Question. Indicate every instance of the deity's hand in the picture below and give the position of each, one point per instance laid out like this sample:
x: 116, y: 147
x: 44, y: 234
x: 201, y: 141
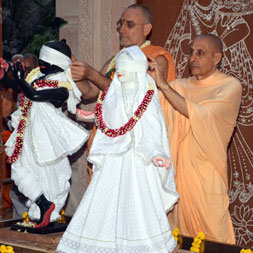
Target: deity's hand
x: 156, y: 72
x: 4, y: 67
x: 82, y: 115
x: 6, y: 76
x: 80, y: 71
x: 73, y: 58
x: 18, y: 70
x: 57, y: 96
x: 162, y: 161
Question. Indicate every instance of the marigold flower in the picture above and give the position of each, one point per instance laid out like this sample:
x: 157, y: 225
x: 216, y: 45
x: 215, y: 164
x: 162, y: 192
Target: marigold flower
x: 201, y: 235
x: 193, y: 249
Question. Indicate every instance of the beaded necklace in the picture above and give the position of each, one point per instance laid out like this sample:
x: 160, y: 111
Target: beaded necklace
x: 132, y: 121
x: 25, y: 104
x: 138, y: 113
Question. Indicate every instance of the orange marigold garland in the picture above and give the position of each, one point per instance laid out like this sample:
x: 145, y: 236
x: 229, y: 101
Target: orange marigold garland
x: 25, y: 104
x: 132, y: 121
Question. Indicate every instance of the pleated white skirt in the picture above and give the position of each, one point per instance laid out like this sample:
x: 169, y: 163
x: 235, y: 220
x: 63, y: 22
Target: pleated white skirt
x: 121, y: 211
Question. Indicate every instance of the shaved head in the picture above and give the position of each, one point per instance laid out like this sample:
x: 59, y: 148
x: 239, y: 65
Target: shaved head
x: 214, y: 40
x: 145, y: 11
x: 17, y: 57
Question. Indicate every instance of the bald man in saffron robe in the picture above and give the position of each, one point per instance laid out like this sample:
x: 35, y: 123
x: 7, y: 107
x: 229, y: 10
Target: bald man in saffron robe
x: 203, y: 111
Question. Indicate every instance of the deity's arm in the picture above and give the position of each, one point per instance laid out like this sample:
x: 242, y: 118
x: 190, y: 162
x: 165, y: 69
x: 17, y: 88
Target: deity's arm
x: 10, y: 83
x: 56, y: 96
x: 6, y: 76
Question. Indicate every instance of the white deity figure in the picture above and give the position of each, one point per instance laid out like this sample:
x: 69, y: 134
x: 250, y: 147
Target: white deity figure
x: 125, y: 206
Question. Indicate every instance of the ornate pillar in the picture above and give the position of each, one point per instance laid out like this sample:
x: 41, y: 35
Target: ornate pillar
x: 69, y: 11
x: 91, y: 29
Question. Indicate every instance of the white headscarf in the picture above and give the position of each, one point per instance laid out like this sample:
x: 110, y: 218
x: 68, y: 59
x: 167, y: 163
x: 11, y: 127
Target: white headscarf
x: 59, y: 59
x: 55, y: 57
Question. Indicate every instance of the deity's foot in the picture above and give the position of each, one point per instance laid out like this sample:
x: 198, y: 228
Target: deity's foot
x: 46, y: 208
x: 45, y: 219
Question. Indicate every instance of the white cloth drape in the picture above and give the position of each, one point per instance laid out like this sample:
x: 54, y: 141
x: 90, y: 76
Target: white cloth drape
x: 124, y: 207
x: 43, y: 165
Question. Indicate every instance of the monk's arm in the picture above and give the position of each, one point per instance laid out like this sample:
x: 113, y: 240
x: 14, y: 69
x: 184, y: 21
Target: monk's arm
x: 89, y: 80
x: 157, y: 71
x: 175, y: 99
x: 163, y: 62
x: 87, y: 89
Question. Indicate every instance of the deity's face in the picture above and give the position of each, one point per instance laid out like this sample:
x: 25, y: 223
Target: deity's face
x: 125, y: 77
x: 203, y: 58
x: 122, y: 73
x: 47, y: 68
x: 133, y: 28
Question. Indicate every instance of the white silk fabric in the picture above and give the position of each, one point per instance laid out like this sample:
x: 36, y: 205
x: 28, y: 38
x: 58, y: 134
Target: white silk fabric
x: 124, y: 207
x: 54, y: 57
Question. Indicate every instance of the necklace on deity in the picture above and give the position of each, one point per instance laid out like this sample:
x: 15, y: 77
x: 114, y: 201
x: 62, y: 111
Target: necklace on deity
x: 24, y: 105
x: 131, y: 122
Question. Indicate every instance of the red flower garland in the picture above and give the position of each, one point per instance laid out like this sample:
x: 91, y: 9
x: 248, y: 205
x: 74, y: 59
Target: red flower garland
x: 132, y: 121
x: 25, y: 105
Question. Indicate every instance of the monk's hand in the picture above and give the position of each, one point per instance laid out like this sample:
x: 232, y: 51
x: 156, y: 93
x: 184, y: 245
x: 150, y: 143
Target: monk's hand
x: 156, y: 72
x: 73, y: 58
x: 162, y: 161
x: 79, y: 70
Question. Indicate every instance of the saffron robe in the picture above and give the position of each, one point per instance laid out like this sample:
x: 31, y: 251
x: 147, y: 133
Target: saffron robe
x: 199, y: 152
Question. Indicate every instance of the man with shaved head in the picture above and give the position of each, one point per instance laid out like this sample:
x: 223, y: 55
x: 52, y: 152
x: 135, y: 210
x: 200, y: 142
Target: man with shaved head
x: 203, y: 111
x: 133, y: 27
